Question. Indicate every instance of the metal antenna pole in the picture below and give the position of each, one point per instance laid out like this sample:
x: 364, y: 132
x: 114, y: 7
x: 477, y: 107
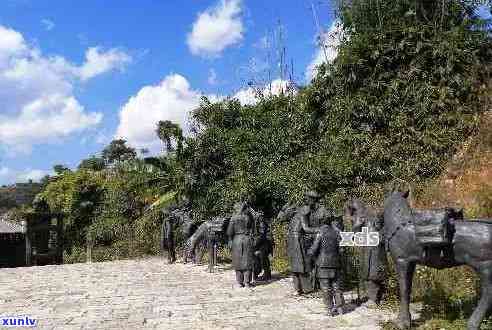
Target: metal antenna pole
x: 320, y: 31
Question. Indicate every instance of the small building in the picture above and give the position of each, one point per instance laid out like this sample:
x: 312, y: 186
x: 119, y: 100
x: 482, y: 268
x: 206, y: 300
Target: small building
x: 12, y: 244
x: 35, y: 241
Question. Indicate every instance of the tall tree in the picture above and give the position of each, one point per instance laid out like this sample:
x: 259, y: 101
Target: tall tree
x: 117, y: 151
x: 169, y: 132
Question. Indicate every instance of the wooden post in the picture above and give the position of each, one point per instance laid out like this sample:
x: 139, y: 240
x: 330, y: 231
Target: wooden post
x: 60, y: 238
x: 27, y: 237
x: 89, y: 248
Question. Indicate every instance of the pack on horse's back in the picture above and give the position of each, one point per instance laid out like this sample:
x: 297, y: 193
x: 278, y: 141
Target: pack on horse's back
x: 435, y: 227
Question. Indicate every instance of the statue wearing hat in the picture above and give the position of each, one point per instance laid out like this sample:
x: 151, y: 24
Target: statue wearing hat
x: 321, y: 216
x: 325, y: 250
x: 241, y: 235
x: 298, y: 241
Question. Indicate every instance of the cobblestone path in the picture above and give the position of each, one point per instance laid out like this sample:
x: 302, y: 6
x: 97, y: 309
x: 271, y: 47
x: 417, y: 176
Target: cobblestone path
x: 150, y: 294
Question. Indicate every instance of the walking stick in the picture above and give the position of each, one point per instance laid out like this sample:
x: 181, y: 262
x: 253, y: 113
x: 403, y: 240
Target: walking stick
x: 215, y: 253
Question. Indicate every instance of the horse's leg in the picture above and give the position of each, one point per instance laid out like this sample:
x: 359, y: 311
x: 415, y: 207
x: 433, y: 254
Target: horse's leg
x: 200, y: 252
x: 485, y: 298
x: 405, y: 271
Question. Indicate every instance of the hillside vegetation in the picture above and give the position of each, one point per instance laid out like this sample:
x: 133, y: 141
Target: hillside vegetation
x: 467, y: 182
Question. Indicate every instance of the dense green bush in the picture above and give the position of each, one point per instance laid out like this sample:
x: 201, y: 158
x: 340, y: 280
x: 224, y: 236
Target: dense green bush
x: 280, y: 262
x: 105, y: 208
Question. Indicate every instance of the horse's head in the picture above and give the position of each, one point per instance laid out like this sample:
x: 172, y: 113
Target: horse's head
x: 240, y: 207
x: 396, y: 196
x: 396, y: 207
x: 286, y: 213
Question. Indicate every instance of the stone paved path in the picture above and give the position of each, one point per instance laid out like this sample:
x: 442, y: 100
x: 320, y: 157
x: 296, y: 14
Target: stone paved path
x: 149, y: 294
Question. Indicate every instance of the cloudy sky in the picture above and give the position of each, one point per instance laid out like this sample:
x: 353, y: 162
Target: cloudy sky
x: 76, y: 74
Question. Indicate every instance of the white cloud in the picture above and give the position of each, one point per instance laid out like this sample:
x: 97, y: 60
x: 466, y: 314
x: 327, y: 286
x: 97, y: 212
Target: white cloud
x: 36, y: 92
x: 216, y: 29
x: 172, y: 99
x: 4, y: 171
x: 327, y: 50
x: 11, y: 43
x: 10, y: 176
x: 48, y: 24
x: 212, y: 77
x: 46, y: 119
x: 251, y: 96
x: 97, y: 62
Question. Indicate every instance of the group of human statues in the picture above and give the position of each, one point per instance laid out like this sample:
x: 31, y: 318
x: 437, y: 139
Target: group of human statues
x: 247, y: 232
x: 439, y: 238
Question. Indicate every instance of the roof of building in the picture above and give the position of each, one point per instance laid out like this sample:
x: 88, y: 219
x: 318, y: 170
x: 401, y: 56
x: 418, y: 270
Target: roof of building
x: 9, y: 227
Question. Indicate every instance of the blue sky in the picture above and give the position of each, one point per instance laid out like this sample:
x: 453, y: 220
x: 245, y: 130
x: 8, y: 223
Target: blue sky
x: 78, y: 73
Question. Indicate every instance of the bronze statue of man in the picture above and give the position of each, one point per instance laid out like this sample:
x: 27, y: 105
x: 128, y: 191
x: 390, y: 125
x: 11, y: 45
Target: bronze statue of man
x: 373, y: 261
x: 263, y: 248
x: 322, y: 215
x: 240, y: 232
x: 325, y: 250
x: 298, y: 241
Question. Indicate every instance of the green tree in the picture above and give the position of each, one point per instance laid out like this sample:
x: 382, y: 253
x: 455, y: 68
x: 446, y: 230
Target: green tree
x: 404, y: 93
x: 407, y: 86
x: 6, y: 201
x: 60, y: 169
x: 93, y: 163
x: 169, y: 132
x: 117, y: 151
x: 76, y: 194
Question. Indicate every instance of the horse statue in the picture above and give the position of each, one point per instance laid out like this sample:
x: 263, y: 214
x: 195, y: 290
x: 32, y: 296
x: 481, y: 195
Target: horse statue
x: 212, y: 233
x: 207, y: 235
x: 188, y: 229
x: 470, y: 243
x: 194, y: 242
